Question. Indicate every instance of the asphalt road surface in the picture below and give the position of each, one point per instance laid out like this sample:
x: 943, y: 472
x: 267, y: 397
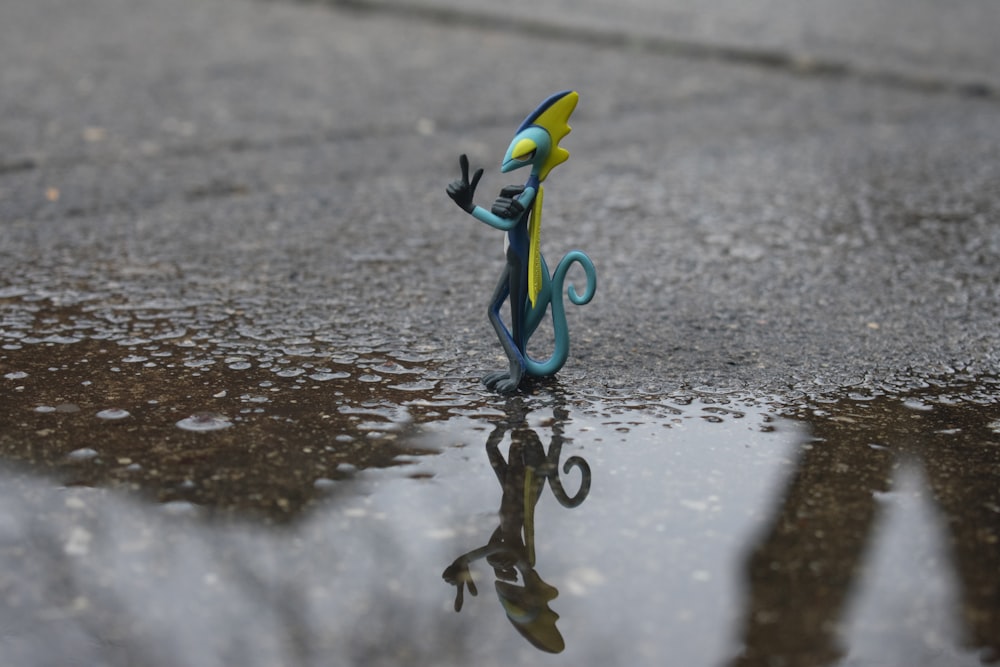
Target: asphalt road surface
x: 756, y: 222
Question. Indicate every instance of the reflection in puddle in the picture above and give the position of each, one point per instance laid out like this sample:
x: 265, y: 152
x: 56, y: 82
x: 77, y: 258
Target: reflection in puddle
x: 510, y: 550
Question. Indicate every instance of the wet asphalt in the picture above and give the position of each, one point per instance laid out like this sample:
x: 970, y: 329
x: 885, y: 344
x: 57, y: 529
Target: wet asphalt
x: 231, y: 282
x: 768, y: 223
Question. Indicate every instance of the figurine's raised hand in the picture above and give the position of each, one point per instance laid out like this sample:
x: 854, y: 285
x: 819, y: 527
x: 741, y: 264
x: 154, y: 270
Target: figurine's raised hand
x: 459, y: 575
x: 463, y: 191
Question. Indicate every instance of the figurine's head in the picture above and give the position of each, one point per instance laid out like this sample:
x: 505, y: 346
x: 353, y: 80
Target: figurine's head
x: 529, y: 612
x: 537, y: 140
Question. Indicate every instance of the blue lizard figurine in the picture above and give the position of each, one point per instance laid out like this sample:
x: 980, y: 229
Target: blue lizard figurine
x: 518, y: 211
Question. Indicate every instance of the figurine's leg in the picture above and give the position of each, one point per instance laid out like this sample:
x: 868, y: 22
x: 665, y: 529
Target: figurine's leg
x: 500, y: 294
x: 509, y: 283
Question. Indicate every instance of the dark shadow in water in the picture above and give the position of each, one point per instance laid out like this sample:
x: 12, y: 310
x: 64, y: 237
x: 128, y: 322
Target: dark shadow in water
x: 510, y: 550
x: 801, y: 572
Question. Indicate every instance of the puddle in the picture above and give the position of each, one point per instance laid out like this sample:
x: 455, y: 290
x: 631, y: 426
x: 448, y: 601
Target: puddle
x: 294, y: 501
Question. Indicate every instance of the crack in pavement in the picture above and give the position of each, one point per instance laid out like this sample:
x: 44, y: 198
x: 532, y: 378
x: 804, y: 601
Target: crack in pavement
x: 801, y: 64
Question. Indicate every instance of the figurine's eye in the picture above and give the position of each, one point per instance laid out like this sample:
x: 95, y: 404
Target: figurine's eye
x: 523, y: 151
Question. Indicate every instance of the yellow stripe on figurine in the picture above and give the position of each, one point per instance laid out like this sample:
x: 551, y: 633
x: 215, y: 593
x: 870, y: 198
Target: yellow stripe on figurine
x: 535, y: 248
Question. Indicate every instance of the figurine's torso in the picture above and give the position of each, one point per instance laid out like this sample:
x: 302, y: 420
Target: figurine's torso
x: 518, y: 239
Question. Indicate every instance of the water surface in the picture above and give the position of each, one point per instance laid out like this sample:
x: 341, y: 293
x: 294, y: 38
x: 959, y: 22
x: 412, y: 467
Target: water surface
x: 256, y: 515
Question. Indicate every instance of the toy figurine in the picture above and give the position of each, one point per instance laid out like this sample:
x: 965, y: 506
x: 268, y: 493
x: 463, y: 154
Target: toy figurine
x: 518, y: 211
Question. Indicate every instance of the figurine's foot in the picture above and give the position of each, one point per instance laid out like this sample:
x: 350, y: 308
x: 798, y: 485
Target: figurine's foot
x: 499, y: 381
x: 503, y: 382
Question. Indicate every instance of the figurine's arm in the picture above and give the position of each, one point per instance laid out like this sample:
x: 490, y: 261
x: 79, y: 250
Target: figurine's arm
x: 506, y: 211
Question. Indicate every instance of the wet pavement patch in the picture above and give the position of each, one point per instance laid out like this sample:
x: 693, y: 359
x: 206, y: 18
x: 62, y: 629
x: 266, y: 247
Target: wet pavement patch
x: 223, y: 432
x: 290, y: 503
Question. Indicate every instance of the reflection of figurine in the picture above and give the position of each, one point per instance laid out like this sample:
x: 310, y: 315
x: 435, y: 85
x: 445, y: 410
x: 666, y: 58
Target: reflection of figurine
x: 800, y: 574
x: 518, y: 211
x: 511, y: 548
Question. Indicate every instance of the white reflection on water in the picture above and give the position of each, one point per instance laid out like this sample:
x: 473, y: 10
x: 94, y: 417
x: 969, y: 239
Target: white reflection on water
x: 649, y: 569
x: 923, y: 605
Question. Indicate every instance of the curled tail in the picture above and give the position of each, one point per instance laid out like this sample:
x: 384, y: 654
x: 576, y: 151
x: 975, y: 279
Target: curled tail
x: 557, y: 488
x: 554, y: 292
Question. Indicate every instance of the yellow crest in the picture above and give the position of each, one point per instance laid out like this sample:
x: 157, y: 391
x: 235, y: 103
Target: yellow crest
x: 555, y: 121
